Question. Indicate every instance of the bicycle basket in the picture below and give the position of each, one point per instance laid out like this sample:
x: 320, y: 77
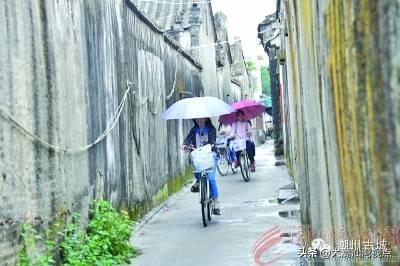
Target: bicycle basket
x: 221, y: 142
x: 239, y: 144
x: 203, y: 158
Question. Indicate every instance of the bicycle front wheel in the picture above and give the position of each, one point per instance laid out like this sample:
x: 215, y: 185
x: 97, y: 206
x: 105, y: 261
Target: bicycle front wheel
x: 204, y: 200
x: 222, y: 163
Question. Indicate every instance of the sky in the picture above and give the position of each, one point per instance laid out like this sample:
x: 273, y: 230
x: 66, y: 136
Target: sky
x: 243, y: 17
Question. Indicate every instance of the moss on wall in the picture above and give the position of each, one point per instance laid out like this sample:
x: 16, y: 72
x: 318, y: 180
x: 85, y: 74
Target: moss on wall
x: 357, y: 89
x: 141, y: 208
x: 344, y: 103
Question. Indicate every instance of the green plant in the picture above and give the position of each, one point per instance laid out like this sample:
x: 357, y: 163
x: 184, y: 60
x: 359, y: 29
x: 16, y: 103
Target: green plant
x: 35, y: 250
x: 265, y: 81
x: 250, y: 65
x: 282, y: 57
x: 105, y: 241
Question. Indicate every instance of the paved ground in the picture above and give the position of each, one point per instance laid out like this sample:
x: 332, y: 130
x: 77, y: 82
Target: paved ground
x: 176, y: 236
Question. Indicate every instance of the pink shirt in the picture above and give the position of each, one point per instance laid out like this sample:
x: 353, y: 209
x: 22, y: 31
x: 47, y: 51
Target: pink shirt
x: 241, y: 129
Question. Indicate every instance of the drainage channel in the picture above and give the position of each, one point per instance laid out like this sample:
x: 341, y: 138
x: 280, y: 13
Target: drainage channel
x: 252, y: 203
x: 290, y: 214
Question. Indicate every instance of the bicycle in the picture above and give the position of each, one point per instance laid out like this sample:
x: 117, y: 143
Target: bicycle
x: 269, y: 133
x: 203, y: 162
x: 239, y: 145
x: 224, y: 157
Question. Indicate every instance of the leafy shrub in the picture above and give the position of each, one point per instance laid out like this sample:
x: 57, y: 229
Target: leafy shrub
x: 105, y: 242
x: 35, y: 250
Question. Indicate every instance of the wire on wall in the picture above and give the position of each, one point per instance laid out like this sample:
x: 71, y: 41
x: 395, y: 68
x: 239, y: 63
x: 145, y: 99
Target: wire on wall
x: 111, y: 124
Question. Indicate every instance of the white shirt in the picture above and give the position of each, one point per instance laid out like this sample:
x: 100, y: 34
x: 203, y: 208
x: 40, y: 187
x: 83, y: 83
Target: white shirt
x: 241, y: 129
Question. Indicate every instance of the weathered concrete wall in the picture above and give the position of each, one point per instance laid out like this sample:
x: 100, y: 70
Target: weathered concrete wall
x: 192, y: 25
x: 342, y: 112
x: 224, y: 58
x: 64, y: 68
x: 268, y: 33
x: 239, y: 70
x: 207, y: 55
x: 236, y: 92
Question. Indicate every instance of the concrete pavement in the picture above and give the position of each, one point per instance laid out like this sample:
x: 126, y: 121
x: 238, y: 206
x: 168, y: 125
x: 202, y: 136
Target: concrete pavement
x: 176, y: 236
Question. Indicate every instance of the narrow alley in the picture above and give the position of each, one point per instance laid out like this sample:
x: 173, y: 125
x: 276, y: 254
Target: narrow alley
x: 175, y: 235
x: 102, y: 101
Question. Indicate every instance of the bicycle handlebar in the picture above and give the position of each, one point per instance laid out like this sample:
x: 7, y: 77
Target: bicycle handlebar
x: 192, y: 148
x: 186, y: 147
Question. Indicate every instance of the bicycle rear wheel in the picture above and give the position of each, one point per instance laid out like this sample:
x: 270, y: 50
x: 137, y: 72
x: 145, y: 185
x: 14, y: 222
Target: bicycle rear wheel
x: 222, y: 163
x: 204, y: 200
x: 248, y: 172
x: 244, y: 166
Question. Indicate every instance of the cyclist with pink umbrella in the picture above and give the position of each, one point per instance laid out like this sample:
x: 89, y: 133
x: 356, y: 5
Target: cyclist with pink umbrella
x: 241, y: 127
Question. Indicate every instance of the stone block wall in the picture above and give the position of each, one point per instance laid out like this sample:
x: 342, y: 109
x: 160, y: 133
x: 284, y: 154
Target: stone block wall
x: 65, y: 66
x: 342, y: 113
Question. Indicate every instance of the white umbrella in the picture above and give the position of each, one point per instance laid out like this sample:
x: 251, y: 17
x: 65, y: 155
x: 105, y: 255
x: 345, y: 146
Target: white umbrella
x: 197, y: 107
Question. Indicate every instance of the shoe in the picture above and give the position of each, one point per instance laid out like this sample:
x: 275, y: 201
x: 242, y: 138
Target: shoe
x: 216, y: 210
x: 236, y: 164
x: 195, y: 187
x: 252, y: 167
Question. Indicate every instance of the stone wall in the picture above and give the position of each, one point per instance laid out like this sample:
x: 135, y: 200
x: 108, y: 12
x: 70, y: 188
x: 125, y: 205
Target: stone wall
x: 239, y: 70
x: 64, y: 68
x: 224, y: 58
x: 207, y: 54
x: 192, y: 25
x: 342, y: 112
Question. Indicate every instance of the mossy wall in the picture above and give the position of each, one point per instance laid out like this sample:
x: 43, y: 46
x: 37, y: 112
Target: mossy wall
x: 342, y: 106
x: 139, y: 209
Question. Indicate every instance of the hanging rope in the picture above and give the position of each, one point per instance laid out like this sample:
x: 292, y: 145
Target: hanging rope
x: 142, y: 102
x: 175, y: 76
x: 113, y: 122
x: 155, y: 112
x: 159, y: 99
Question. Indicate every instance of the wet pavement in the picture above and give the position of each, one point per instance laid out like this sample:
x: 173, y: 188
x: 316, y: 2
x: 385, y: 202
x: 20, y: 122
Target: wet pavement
x: 253, y: 227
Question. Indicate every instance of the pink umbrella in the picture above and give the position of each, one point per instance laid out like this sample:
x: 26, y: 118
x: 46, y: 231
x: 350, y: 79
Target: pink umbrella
x: 251, y: 109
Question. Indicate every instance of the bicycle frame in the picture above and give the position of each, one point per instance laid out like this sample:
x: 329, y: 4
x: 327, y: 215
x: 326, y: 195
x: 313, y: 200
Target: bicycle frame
x: 244, y: 163
x: 204, y: 177
x: 229, y: 156
x: 205, y: 199
x: 225, y: 154
x: 206, y: 203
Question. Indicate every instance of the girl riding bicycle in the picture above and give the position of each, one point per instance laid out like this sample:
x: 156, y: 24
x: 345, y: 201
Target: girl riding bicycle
x: 203, y: 132
x: 242, y: 129
x: 225, y: 130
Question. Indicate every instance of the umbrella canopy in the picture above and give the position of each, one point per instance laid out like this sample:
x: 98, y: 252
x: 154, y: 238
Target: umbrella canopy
x: 251, y: 109
x: 266, y: 101
x: 197, y: 107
